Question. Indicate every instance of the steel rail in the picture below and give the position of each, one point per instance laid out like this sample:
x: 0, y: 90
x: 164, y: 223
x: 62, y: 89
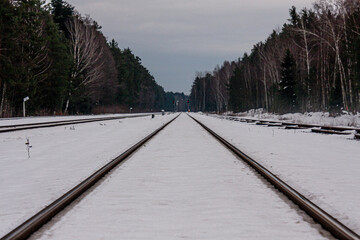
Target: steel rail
x: 31, y: 225
x: 18, y: 127
x: 335, y: 227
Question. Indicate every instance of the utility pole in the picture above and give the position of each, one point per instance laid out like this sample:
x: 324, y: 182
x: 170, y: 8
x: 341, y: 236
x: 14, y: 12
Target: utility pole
x: 24, y: 100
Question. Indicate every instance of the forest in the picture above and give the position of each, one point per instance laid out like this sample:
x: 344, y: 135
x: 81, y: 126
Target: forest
x: 62, y: 61
x: 311, y: 64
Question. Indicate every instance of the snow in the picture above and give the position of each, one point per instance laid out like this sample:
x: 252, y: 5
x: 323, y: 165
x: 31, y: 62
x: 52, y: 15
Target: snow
x: 325, y: 168
x: 316, y: 118
x: 60, y: 159
x: 182, y: 184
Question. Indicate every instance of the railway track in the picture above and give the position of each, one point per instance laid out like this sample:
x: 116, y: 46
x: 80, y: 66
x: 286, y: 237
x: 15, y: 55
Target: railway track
x: 24, y: 230
x: 26, y: 126
x: 328, y: 222
x: 314, y: 128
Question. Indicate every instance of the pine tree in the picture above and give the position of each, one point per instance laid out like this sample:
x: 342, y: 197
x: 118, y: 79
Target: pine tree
x: 29, y: 58
x: 136, y: 86
x: 235, y: 99
x: 7, y: 44
x: 61, y: 12
x: 287, y: 85
x: 335, y: 102
x: 52, y: 92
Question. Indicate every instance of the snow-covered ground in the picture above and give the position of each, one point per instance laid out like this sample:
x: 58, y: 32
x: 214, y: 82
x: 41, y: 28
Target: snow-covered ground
x: 316, y: 118
x: 27, y: 120
x: 325, y: 168
x: 182, y: 184
x: 60, y: 158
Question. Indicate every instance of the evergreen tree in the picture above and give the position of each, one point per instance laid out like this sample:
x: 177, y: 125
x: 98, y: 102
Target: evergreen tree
x: 136, y: 86
x: 335, y: 102
x: 7, y: 44
x: 287, y: 85
x: 235, y: 99
x: 61, y: 12
x: 52, y: 92
x: 29, y: 55
x: 353, y: 45
x: 238, y: 92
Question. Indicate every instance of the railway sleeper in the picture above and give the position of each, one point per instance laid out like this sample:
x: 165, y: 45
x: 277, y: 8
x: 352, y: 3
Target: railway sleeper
x: 325, y: 131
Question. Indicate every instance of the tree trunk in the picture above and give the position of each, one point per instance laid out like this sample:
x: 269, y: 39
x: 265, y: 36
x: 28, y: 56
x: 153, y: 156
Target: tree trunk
x: 2, y: 100
x: 342, y: 80
x: 204, y: 95
x: 308, y: 100
x: 67, y: 103
x: 266, y: 93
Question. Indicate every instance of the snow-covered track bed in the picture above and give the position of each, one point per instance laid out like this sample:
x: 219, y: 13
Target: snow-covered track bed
x: 183, y: 184
x: 59, y: 159
x: 329, y: 222
x: 27, y: 126
x: 324, y: 168
x: 24, y: 230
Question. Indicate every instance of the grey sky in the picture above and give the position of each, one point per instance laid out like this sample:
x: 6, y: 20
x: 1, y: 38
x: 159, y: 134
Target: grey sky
x: 176, y: 38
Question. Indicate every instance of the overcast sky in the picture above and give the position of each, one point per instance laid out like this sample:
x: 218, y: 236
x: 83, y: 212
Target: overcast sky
x: 176, y: 38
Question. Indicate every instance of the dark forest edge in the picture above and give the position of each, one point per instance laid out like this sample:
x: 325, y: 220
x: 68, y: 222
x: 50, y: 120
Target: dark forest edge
x: 64, y: 64
x: 311, y: 64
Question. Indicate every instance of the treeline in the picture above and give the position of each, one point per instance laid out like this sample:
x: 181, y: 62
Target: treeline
x: 177, y: 102
x: 63, y: 62
x: 311, y: 64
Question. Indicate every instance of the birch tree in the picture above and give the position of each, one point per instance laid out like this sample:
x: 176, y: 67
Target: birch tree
x: 86, y: 52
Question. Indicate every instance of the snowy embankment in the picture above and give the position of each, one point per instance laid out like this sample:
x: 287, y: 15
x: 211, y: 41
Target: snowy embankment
x: 182, y: 184
x: 325, y: 168
x: 316, y: 118
x: 60, y: 158
x: 40, y: 119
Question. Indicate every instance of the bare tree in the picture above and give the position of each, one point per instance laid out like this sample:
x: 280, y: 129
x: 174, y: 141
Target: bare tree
x: 87, y: 53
